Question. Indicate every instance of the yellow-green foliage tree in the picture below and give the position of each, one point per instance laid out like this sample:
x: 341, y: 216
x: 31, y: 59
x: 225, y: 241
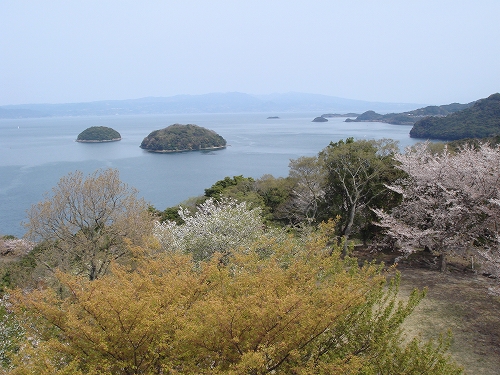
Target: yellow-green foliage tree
x: 280, y: 307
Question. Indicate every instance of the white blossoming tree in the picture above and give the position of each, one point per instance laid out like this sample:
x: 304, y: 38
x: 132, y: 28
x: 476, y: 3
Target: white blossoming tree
x: 217, y: 226
x: 449, y: 202
x: 11, y: 333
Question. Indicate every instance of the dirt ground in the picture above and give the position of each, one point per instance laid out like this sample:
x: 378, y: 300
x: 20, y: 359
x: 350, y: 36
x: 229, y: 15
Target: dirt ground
x: 465, y: 304
x: 460, y: 300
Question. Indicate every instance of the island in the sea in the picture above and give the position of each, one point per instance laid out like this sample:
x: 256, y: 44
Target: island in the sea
x: 98, y: 134
x: 180, y: 138
x: 320, y: 119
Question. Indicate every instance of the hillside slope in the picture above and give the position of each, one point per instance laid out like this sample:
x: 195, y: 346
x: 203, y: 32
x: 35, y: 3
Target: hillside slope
x: 480, y: 120
x: 410, y: 117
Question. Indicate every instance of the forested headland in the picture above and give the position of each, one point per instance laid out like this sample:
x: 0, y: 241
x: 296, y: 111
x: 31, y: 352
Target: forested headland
x: 409, y: 117
x: 480, y: 120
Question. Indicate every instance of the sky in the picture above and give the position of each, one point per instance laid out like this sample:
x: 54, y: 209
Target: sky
x: 405, y: 51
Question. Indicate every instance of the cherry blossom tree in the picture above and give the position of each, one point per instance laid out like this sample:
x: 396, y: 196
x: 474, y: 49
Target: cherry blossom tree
x: 450, y: 201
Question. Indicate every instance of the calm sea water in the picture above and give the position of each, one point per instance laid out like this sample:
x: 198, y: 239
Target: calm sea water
x: 36, y: 153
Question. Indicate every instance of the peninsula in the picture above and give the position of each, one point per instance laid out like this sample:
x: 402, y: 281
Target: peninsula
x: 410, y: 117
x: 481, y: 120
x: 180, y: 138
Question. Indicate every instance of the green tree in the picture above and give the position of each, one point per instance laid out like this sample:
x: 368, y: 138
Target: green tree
x: 239, y: 188
x: 21, y: 273
x: 88, y: 222
x: 242, y: 189
x: 220, y: 186
x: 357, y: 172
x: 274, y: 192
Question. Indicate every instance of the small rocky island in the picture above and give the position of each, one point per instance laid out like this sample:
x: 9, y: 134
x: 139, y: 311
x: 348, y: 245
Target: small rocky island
x: 179, y: 138
x: 320, y: 119
x: 98, y: 134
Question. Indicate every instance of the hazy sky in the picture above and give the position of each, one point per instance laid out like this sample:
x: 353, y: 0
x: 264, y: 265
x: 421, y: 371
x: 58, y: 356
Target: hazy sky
x: 417, y: 51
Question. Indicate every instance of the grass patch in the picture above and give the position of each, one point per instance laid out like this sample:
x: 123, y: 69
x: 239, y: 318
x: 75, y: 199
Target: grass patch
x: 464, y: 304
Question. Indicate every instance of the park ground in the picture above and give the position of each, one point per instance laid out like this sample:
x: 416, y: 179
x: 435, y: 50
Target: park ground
x: 461, y: 300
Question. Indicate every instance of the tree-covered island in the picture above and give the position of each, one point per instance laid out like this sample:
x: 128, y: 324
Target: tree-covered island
x: 99, y: 134
x: 178, y: 138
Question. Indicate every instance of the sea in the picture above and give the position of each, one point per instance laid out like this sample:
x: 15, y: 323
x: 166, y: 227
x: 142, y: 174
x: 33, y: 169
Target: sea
x: 35, y: 153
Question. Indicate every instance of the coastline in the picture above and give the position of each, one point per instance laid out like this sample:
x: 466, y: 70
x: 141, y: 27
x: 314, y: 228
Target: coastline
x: 95, y: 141
x: 188, y: 149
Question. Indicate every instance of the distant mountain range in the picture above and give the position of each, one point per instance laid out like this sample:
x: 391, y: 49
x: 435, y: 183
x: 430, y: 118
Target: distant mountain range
x: 232, y: 102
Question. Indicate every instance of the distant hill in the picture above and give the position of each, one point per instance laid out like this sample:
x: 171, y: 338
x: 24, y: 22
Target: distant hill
x: 410, y: 117
x: 231, y: 102
x: 480, y: 120
x: 294, y: 101
x: 20, y: 113
x: 177, y: 138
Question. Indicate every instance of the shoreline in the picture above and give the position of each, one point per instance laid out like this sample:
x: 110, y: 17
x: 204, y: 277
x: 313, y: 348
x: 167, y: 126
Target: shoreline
x: 189, y: 149
x: 96, y: 141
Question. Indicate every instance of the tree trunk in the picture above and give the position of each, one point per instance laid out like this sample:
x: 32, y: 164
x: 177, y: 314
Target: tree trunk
x: 348, y: 228
x: 442, y: 263
x: 345, y: 247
